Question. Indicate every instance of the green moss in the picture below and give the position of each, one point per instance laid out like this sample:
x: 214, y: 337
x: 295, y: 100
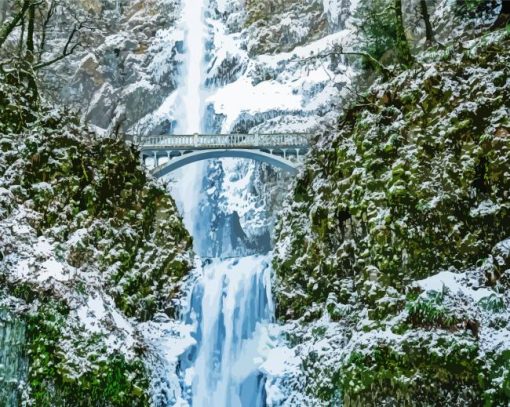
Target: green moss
x: 422, y: 372
x: 124, y: 226
x: 56, y: 381
x: 496, y: 379
x: 402, y: 182
x: 429, y: 311
x: 414, y: 181
x: 102, y: 187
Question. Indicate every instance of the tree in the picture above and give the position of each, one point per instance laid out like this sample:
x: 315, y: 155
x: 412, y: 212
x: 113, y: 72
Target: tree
x: 35, y: 19
x: 381, y: 24
x: 33, y: 26
x: 429, y: 32
x: 8, y: 26
x: 504, y: 15
x: 403, y: 48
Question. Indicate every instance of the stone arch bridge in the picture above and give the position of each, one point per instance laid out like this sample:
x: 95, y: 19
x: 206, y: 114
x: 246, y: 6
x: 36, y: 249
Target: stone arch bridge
x: 171, y: 152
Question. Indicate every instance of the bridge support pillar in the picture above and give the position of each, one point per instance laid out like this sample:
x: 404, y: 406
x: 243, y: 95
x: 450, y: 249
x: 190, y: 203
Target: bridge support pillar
x: 155, y: 159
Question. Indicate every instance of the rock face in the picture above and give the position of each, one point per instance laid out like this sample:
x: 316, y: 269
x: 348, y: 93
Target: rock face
x: 129, y: 66
x: 90, y: 249
x: 392, y: 253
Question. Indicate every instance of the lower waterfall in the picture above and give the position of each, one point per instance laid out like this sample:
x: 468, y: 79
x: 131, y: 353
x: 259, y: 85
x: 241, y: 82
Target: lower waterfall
x: 230, y: 306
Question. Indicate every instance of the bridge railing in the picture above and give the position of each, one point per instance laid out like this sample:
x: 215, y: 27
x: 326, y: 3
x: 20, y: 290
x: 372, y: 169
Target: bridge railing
x: 225, y: 140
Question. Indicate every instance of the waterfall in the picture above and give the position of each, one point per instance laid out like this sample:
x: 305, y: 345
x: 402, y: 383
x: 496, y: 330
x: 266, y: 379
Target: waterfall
x: 13, y: 364
x: 230, y: 305
x: 186, y: 189
x: 191, y: 95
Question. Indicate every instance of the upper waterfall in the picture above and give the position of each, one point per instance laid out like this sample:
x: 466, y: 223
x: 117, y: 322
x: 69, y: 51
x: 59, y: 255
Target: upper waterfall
x: 186, y: 189
x: 191, y: 100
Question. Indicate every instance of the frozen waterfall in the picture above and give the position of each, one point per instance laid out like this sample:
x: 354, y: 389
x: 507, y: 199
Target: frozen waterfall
x: 186, y: 189
x: 230, y: 306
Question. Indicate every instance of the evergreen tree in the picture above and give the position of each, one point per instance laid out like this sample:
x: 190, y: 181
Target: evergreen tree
x: 382, y: 27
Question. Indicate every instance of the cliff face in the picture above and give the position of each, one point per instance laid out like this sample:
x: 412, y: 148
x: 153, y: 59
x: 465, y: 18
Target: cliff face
x: 90, y: 249
x: 391, y: 264
x: 127, y: 67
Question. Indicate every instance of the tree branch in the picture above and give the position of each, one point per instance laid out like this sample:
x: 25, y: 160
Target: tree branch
x: 338, y: 50
x: 7, y: 28
x: 67, y: 50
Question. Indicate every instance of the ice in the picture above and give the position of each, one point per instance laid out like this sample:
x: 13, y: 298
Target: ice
x: 232, y: 307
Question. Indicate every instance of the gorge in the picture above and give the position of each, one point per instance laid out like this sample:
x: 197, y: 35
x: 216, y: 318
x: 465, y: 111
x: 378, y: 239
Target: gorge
x: 372, y: 271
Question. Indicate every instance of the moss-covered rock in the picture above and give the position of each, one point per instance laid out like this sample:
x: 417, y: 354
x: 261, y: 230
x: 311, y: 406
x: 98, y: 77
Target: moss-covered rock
x: 91, y: 247
x: 415, y: 180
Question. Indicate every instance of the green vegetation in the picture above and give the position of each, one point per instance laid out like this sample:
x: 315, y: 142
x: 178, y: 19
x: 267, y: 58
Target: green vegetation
x: 420, y: 371
x: 56, y: 380
x: 430, y: 311
x: 414, y: 181
x: 116, y: 229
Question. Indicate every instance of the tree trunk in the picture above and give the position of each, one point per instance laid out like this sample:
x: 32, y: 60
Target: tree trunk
x: 429, y: 32
x: 404, y: 52
x: 504, y: 15
x: 44, y: 30
x: 7, y: 27
x: 30, y: 35
x: 3, y: 10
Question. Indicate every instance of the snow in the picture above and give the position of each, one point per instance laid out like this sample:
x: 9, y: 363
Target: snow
x: 453, y: 282
x: 485, y: 208
x: 280, y: 361
x: 242, y: 97
x: 167, y: 109
x: 77, y: 237
x: 43, y: 247
x: 91, y: 313
x: 53, y: 269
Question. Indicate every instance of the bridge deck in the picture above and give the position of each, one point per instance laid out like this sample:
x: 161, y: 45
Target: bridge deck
x: 224, y: 141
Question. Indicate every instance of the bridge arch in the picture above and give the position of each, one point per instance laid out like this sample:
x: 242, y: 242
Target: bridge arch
x: 201, y: 155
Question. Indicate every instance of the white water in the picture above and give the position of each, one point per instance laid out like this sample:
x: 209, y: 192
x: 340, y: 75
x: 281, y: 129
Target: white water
x: 186, y: 189
x: 191, y: 97
x: 230, y: 306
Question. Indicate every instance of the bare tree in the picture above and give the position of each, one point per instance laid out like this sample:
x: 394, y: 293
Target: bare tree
x: 338, y: 50
x: 46, y: 19
x: 8, y: 26
x: 29, y: 56
x: 72, y: 43
x: 429, y: 32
